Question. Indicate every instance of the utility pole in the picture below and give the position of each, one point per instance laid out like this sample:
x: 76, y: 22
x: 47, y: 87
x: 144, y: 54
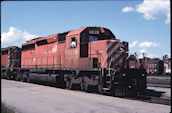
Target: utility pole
x: 136, y: 60
x: 143, y: 61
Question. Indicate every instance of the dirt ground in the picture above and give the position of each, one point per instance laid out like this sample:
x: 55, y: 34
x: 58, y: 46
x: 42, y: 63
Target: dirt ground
x: 33, y: 98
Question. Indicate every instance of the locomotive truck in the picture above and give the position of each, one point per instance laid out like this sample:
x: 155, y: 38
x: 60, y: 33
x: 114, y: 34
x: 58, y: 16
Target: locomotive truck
x: 89, y: 58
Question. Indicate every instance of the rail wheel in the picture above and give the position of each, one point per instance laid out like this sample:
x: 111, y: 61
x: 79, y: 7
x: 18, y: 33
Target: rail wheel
x: 69, y: 85
x: 4, y: 74
x: 120, y: 91
x: 18, y: 76
x: 28, y: 79
x: 99, y: 88
x: 9, y: 75
x: 60, y: 83
x: 82, y: 87
x: 24, y: 77
x: 86, y: 87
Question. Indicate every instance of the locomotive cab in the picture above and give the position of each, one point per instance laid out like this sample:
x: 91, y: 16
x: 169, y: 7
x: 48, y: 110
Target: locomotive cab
x: 101, y: 47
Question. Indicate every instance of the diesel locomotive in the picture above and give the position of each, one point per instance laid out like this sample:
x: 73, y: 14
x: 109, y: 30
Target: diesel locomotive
x: 89, y: 58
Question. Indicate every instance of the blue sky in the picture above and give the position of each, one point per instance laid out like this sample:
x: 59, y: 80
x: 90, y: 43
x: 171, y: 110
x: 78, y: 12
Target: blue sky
x: 145, y: 27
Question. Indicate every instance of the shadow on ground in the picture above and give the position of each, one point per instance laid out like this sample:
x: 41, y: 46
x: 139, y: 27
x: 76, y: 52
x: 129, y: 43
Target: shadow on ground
x: 154, y: 93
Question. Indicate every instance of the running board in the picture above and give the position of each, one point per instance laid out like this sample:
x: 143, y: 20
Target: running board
x: 106, y: 89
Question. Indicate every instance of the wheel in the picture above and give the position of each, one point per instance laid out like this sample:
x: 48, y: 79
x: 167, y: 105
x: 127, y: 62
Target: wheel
x: 4, y: 75
x: 24, y: 77
x: 18, y: 76
x: 120, y: 91
x: 28, y: 79
x: 8, y: 75
x: 99, y: 88
x: 69, y: 85
x: 60, y: 82
x: 86, y: 87
x: 82, y: 87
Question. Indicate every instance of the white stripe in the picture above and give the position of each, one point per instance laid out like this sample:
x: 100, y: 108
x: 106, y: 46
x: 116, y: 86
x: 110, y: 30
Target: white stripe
x: 120, y: 61
x: 123, y: 58
x: 113, y: 58
x: 113, y: 50
x: 116, y: 57
x: 109, y: 45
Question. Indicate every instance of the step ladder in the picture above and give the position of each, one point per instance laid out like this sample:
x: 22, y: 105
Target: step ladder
x: 108, y: 80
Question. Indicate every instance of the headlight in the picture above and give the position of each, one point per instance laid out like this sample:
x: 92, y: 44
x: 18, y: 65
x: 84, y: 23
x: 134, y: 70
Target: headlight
x: 143, y: 75
x: 123, y: 75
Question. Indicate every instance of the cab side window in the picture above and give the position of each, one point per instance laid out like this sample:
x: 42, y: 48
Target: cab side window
x: 73, y: 42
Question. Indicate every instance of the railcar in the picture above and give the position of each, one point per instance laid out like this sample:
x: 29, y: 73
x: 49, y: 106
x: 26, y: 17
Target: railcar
x: 10, y: 61
x: 153, y: 67
x: 167, y: 67
x: 89, y: 58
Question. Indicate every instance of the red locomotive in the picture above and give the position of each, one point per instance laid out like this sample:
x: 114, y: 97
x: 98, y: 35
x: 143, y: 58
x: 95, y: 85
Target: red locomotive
x: 89, y: 58
x: 88, y: 47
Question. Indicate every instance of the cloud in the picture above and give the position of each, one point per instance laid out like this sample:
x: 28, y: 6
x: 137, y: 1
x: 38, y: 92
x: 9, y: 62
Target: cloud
x: 127, y: 9
x: 151, y: 55
x: 152, y: 8
x: 148, y: 44
x: 143, y: 48
x: 15, y: 37
x: 134, y: 44
x: 147, y: 54
x: 142, y: 51
x: 145, y: 44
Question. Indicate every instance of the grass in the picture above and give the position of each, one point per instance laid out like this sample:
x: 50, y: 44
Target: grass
x: 5, y: 109
x: 166, y: 80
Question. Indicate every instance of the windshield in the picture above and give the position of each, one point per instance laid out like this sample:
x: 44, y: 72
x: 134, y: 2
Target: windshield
x: 96, y: 36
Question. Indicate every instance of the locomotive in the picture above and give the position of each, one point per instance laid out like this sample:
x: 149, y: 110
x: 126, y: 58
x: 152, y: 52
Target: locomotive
x: 89, y: 58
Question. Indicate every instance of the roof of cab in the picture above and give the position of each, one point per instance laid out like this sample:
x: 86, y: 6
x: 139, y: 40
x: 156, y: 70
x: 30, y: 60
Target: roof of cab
x: 71, y: 32
x: 77, y: 31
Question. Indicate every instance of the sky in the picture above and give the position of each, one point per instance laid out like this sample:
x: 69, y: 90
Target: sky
x: 145, y: 24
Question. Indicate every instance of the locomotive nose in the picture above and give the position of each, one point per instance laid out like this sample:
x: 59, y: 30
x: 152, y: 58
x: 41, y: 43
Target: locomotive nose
x: 116, y: 53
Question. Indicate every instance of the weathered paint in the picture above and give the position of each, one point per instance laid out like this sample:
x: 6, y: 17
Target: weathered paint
x: 62, y: 55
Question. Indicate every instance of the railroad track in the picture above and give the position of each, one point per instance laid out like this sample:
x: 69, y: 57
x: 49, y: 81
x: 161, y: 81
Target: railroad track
x: 159, y: 85
x: 151, y: 99
x: 144, y: 98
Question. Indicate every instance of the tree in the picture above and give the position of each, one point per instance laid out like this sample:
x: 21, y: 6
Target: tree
x: 155, y: 59
x: 165, y: 57
x: 147, y: 58
x: 132, y: 57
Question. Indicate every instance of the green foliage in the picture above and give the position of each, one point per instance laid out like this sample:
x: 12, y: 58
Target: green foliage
x: 132, y: 57
x: 155, y: 59
x: 165, y: 57
x: 147, y: 58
